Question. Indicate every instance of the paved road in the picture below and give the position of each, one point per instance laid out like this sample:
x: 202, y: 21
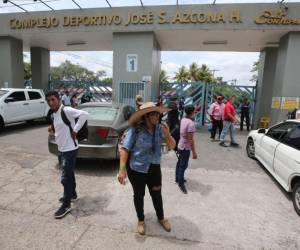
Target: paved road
x: 232, y: 202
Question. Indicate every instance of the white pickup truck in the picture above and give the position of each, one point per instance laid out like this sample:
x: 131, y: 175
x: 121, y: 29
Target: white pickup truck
x: 18, y: 105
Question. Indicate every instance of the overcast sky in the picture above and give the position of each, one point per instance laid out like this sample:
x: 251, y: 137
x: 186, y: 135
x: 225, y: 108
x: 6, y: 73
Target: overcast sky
x: 229, y: 65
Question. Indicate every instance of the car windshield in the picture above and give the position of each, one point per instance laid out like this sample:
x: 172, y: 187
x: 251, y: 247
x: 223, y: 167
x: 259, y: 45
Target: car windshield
x: 101, y: 113
x: 3, y: 92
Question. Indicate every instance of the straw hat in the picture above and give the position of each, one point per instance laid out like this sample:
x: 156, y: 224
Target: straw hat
x: 146, y: 108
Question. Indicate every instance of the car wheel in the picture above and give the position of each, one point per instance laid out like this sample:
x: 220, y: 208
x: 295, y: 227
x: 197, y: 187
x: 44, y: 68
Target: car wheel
x: 250, y: 148
x: 1, y: 124
x: 296, y: 197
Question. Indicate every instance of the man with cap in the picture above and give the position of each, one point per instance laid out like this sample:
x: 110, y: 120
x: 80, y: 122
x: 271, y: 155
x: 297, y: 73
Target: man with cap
x: 173, y: 119
x: 216, y: 113
x: 138, y: 102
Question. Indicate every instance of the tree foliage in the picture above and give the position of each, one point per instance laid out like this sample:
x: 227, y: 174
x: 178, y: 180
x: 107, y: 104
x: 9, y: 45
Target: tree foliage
x: 254, y: 70
x: 75, y: 72
x: 163, y: 78
x: 27, y: 71
x: 182, y: 75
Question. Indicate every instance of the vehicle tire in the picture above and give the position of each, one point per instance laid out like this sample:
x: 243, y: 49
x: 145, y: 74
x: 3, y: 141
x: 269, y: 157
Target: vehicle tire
x: 250, y: 148
x: 1, y: 124
x: 296, y: 197
x: 48, y: 117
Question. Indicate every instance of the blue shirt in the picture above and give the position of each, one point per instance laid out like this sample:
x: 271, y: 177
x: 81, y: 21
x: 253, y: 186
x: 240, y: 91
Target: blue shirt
x: 144, y: 148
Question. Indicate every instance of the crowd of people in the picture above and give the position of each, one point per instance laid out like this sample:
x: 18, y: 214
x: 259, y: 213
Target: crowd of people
x: 141, y: 146
x: 74, y: 100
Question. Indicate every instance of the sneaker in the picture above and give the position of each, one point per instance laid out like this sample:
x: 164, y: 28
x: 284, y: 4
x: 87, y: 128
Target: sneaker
x: 234, y: 144
x: 62, y: 212
x: 74, y: 198
x: 141, y: 227
x: 165, y: 224
x: 183, y: 189
x: 222, y: 144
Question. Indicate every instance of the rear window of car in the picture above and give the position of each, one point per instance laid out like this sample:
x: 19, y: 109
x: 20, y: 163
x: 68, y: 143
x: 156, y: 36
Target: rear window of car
x: 3, y: 92
x: 34, y: 95
x: 101, y: 113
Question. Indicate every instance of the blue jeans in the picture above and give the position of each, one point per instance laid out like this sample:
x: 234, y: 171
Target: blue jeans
x: 68, y: 162
x: 228, y: 127
x: 182, y: 164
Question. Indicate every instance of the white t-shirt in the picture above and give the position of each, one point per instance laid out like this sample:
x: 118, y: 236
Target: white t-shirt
x: 298, y: 114
x: 66, y: 100
x: 63, y: 137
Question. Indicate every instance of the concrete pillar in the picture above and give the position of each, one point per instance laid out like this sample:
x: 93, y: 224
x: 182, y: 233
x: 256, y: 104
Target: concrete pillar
x: 40, y: 67
x: 11, y: 63
x: 147, y: 50
x: 265, y: 84
x: 287, y: 76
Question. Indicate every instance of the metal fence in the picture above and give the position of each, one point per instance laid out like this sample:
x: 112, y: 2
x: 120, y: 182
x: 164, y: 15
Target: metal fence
x: 202, y: 95
x: 129, y: 90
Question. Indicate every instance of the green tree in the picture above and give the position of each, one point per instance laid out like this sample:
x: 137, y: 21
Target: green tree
x: 107, y: 81
x: 193, y: 72
x: 27, y: 71
x: 254, y: 70
x: 75, y: 72
x: 204, y: 74
x: 163, y: 78
x: 182, y: 75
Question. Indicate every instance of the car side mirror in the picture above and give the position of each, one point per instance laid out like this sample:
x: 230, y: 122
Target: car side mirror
x: 261, y: 131
x: 9, y: 99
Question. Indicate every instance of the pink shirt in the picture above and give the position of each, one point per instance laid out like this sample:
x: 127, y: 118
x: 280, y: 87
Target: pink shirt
x: 186, y: 126
x: 216, y: 110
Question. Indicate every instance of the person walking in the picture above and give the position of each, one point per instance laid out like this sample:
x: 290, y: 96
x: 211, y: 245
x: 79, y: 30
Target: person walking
x: 173, y: 119
x: 67, y: 146
x: 185, y: 146
x: 74, y: 101
x: 138, y: 102
x: 140, y: 156
x: 229, y: 121
x: 216, y: 113
x: 245, y: 114
x: 66, y: 100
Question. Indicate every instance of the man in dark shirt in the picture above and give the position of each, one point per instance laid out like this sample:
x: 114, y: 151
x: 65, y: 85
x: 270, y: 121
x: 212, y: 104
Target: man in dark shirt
x: 245, y: 114
x: 173, y: 119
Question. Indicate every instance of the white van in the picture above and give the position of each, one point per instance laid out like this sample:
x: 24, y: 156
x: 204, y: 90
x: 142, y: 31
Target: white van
x: 18, y: 105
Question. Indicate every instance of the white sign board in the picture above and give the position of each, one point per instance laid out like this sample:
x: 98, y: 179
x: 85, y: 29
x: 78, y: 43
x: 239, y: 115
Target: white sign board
x: 146, y: 78
x: 132, y: 62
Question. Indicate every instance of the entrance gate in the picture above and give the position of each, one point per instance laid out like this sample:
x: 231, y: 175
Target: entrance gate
x: 202, y: 95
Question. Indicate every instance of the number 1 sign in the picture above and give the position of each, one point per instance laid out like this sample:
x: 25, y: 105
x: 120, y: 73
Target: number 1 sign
x: 132, y: 62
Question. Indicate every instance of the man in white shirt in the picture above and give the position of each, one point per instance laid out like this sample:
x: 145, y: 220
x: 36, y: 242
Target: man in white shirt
x: 67, y: 146
x: 66, y: 100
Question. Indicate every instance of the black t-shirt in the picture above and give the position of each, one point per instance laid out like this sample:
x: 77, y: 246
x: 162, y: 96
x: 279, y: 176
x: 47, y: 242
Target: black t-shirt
x: 173, y: 115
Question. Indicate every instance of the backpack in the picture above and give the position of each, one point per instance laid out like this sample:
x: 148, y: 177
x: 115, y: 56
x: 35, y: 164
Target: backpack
x: 82, y: 133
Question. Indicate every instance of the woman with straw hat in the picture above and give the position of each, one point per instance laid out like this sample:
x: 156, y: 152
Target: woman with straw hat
x: 140, y: 155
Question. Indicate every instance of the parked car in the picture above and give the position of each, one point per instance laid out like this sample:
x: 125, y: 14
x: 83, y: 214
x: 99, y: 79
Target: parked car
x: 106, y: 124
x: 278, y: 149
x: 18, y: 105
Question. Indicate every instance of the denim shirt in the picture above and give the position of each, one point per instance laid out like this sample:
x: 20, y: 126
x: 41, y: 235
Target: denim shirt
x: 144, y: 148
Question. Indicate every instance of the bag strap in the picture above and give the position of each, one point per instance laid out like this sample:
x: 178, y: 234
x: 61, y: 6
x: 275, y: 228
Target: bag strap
x: 68, y: 123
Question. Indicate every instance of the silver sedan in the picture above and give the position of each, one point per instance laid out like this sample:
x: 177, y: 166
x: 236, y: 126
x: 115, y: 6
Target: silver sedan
x: 106, y: 124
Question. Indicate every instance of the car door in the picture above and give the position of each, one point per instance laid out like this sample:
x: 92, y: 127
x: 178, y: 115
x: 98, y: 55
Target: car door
x: 287, y: 156
x: 36, y: 104
x: 271, y: 141
x: 16, y: 110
